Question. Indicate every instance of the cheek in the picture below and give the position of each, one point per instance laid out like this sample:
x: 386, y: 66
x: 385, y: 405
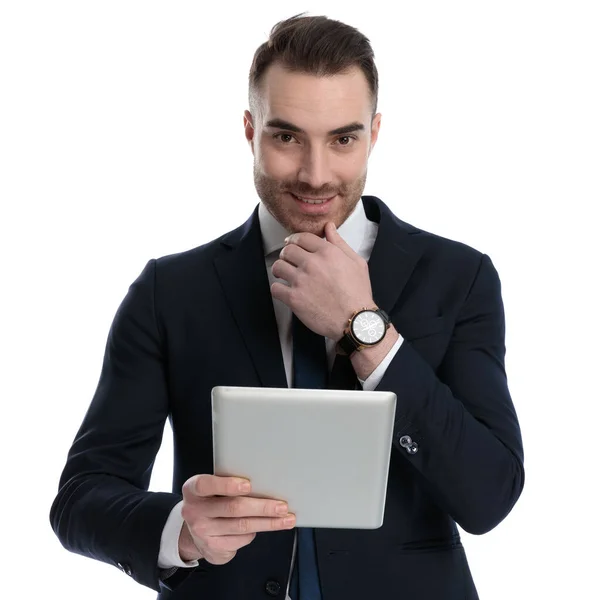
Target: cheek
x: 277, y: 164
x: 352, y: 166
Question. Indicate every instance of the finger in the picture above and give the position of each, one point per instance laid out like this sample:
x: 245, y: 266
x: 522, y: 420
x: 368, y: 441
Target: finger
x: 283, y: 293
x: 224, y: 544
x: 284, y: 270
x: 244, y: 506
x: 333, y: 237
x: 246, y: 525
x: 294, y: 254
x: 305, y: 240
x: 218, y: 558
x: 212, y: 485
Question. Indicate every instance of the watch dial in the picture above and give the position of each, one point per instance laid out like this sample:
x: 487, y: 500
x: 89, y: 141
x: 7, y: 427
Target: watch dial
x: 368, y: 327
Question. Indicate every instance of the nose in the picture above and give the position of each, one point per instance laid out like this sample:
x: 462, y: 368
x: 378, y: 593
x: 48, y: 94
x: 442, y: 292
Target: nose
x: 314, y: 170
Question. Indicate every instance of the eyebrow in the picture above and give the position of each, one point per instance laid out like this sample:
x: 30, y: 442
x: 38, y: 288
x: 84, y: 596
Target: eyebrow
x: 281, y: 124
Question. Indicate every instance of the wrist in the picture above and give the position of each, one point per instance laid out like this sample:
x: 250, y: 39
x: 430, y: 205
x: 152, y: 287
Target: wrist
x: 368, y: 359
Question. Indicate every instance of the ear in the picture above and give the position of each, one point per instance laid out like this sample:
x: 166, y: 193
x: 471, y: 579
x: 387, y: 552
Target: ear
x: 249, y: 129
x: 376, y: 124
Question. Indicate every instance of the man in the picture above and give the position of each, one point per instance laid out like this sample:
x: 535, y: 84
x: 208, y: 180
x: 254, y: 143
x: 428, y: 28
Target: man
x: 313, y: 255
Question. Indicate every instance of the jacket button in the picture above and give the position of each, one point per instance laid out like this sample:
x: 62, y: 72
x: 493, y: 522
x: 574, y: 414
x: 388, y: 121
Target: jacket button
x: 273, y: 588
x: 412, y: 448
x: 405, y: 441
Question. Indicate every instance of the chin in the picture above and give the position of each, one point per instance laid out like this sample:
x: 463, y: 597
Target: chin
x: 316, y: 227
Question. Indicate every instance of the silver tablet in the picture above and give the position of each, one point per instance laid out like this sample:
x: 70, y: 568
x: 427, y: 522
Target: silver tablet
x: 325, y: 452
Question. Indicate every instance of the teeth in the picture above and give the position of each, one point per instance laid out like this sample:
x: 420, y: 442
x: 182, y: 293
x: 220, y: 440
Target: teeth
x: 309, y: 201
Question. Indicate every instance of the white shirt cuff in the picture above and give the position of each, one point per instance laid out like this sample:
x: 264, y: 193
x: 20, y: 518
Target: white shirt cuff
x: 372, y: 381
x: 168, y: 555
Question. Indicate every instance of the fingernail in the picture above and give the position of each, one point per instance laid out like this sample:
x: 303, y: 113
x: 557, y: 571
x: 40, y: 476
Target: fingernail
x: 244, y: 487
x: 281, y: 508
x: 289, y: 521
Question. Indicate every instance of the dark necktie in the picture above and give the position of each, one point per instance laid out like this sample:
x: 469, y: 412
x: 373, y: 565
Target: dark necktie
x: 309, y: 371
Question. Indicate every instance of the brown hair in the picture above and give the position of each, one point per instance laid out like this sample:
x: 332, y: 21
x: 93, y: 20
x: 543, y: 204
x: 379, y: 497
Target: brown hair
x: 315, y: 45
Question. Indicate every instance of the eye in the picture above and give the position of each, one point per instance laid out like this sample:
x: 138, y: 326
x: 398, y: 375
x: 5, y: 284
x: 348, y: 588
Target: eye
x: 281, y: 137
x: 350, y: 139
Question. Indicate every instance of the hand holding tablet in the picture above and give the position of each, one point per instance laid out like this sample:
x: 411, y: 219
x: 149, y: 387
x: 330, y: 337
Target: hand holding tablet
x: 220, y: 518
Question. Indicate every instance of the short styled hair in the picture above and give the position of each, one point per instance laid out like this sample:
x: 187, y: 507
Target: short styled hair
x: 317, y: 46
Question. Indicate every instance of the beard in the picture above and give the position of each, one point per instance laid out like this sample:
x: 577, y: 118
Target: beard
x: 283, y: 207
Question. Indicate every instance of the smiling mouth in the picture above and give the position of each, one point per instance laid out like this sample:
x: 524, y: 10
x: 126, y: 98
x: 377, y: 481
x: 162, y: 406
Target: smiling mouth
x: 312, y: 200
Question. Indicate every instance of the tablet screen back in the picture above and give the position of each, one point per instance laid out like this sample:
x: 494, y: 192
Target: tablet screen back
x: 325, y: 452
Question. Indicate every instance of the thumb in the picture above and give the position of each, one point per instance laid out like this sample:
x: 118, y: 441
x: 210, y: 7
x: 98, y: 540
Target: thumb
x: 333, y: 237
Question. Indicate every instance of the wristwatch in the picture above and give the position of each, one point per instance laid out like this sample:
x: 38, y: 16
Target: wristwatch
x: 366, y: 328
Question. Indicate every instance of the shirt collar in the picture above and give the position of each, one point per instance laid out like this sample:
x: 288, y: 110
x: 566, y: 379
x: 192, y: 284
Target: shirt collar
x: 352, y: 230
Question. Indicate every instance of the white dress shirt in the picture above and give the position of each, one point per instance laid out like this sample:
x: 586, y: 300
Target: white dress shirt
x: 359, y: 233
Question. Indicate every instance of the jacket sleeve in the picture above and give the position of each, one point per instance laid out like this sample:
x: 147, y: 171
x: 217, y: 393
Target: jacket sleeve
x: 103, y: 508
x: 458, y: 426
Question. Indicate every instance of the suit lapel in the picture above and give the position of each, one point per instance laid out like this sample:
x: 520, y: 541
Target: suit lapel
x: 395, y: 255
x: 396, y: 252
x: 245, y: 282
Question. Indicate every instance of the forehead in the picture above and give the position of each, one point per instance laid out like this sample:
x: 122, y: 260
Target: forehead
x: 315, y: 101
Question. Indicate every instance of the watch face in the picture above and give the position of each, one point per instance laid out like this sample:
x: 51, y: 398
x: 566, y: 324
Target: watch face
x: 368, y: 327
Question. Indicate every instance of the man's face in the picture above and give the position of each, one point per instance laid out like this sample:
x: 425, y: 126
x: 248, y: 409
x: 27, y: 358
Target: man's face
x: 311, y: 139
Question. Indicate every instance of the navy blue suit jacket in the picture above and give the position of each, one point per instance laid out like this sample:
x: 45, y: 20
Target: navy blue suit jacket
x: 205, y: 317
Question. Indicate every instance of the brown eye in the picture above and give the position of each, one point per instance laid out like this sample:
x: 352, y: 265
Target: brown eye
x: 349, y: 139
x: 281, y: 137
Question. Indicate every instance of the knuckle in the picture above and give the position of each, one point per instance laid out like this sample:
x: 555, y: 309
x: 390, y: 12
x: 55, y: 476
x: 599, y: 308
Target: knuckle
x: 186, y: 511
x: 278, y: 269
x: 308, y: 267
x: 233, y: 507
x: 191, y: 512
x: 244, y: 525
x: 292, y: 299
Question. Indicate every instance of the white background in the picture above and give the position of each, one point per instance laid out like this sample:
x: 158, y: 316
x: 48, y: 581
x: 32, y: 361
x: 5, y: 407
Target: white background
x: 121, y: 140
